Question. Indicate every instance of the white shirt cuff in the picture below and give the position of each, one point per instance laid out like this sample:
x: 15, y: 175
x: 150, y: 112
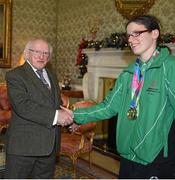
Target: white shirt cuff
x: 55, y: 118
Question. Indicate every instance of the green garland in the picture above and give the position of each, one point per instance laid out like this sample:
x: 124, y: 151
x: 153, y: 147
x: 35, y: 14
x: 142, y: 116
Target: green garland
x: 115, y: 40
x: 119, y: 41
x: 167, y: 38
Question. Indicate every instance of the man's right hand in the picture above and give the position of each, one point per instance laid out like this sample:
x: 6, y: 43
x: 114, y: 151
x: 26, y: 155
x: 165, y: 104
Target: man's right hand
x: 65, y: 117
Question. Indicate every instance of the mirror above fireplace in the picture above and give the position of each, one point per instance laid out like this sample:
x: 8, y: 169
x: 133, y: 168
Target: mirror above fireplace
x: 131, y: 8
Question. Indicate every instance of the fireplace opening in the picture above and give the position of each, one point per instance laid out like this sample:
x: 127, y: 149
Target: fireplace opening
x: 107, y: 145
x: 105, y: 139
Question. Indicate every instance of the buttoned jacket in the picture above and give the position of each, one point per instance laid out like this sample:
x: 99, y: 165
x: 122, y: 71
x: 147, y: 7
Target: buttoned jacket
x: 31, y: 131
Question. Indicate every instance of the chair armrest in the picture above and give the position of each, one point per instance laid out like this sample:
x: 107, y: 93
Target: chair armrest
x: 86, y: 127
x: 5, y: 116
x: 81, y: 145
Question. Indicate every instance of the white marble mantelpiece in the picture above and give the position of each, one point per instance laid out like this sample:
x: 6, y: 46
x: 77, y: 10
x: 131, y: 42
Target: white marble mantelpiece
x: 172, y: 47
x: 105, y: 63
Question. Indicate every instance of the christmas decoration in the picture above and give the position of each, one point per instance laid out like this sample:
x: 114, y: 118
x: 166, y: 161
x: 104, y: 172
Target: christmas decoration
x: 66, y: 83
x: 115, y: 40
x: 167, y: 38
x: 82, y: 59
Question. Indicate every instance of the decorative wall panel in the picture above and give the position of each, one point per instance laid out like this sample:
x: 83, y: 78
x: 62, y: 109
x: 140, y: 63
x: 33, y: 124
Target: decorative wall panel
x: 32, y: 19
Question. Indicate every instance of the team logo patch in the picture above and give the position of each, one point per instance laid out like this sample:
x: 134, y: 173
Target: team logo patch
x: 153, y: 87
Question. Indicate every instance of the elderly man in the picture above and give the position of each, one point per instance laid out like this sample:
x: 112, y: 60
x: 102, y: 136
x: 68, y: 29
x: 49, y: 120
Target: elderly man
x: 34, y: 134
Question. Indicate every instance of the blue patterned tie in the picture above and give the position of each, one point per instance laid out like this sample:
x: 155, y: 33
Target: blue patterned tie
x: 40, y: 73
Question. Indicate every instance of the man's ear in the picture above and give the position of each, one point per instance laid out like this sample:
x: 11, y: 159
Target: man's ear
x: 155, y: 33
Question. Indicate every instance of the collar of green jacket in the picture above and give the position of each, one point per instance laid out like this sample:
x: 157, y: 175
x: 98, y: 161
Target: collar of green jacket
x: 158, y: 61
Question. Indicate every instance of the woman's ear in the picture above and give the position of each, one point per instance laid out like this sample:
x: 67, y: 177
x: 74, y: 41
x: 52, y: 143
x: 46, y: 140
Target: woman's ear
x: 155, y: 33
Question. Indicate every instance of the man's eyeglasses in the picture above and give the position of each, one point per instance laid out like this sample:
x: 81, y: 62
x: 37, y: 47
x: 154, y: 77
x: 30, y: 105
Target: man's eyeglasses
x: 39, y: 53
x: 136, y: 33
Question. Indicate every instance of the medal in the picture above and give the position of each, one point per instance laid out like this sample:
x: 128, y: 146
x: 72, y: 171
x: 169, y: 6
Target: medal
x: 137, y: 85
x: 132, y: 114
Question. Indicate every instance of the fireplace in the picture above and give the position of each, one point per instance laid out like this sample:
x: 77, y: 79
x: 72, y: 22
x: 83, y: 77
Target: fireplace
x: 105, y: 63
x: 104, y: 67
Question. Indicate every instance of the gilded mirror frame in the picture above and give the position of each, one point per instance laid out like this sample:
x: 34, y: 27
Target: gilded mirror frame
x: 131, y: 8
x: 5, y: 33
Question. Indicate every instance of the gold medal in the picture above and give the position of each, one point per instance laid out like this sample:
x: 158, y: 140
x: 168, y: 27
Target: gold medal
x: 132, y: 114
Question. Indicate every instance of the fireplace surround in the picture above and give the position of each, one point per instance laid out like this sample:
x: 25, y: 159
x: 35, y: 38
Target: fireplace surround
x: 105, y: 63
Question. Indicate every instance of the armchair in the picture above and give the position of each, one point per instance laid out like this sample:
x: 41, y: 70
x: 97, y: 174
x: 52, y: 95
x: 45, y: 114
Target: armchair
x: 80, y: 142
x: 5, y: 107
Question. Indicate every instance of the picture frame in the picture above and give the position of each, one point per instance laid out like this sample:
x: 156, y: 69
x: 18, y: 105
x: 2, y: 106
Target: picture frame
x: 132, y: 8
x: 5, y: 33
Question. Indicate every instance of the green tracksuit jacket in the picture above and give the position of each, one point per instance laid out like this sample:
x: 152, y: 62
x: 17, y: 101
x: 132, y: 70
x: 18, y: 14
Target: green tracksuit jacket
x: 142, y: 139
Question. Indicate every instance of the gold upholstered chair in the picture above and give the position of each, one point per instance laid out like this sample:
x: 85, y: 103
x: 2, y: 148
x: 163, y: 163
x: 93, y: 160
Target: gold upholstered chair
x: 78, y: 143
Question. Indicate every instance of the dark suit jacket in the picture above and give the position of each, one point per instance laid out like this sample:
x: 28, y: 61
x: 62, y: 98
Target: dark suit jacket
x: 31, y: 132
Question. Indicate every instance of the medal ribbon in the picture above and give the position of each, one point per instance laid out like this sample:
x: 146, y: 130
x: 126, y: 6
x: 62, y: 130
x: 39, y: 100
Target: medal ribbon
x: 137, y: 83
x: 138, y: 79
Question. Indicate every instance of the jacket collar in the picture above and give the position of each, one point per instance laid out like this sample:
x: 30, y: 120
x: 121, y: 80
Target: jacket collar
x: 35, y: 79
x: 158, y: 61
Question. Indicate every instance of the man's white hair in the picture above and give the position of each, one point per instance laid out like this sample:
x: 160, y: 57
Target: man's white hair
x: 30, y: 45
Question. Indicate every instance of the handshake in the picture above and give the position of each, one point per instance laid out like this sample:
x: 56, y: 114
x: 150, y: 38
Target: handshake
x: 65, y: 117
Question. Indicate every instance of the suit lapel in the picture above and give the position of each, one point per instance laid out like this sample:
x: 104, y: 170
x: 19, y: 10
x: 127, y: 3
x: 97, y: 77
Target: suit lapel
x: 38, y: 83
x: 54, y: 87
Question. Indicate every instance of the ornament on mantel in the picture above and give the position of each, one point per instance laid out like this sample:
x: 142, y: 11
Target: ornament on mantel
x: 66, y: 83
x: 93, y: 26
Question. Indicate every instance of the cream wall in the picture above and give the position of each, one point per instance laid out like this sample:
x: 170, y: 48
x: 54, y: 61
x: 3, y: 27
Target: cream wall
x: 64, y: 22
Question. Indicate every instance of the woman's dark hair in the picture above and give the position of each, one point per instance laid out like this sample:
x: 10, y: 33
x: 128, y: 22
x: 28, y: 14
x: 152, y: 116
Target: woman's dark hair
x: 150, y: 22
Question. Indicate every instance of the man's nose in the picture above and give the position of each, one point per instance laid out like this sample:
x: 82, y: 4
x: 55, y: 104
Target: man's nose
x: 41, y: 55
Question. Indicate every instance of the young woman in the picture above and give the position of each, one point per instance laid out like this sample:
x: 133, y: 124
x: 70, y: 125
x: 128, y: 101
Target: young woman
x: 144, y: 99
